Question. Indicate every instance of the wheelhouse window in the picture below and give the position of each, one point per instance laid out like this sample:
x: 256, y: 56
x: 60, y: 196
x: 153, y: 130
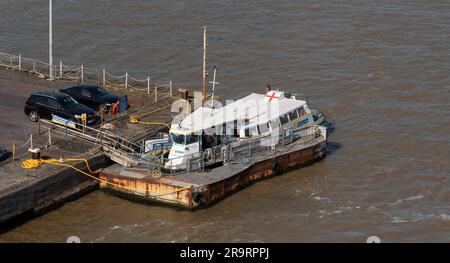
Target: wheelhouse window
x: 301, y: 111
x: 191, y: 139
x: 293, y: 115
x: 284, y: 119
x: 178, y: 138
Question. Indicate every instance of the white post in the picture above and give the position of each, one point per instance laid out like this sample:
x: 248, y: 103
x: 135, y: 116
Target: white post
x: 31, y: 141
x: 20, y: 62
x: 170, y: 88
x: 156, y: 93
x: 213, y: 86
x: 82, y: 73
x: 50, y: 40
x: 60, y: 70
x: 126, y: 80
x: 148, y: 85
x: 49, y: 136
x: 34, y: 65
x: 104, y: 78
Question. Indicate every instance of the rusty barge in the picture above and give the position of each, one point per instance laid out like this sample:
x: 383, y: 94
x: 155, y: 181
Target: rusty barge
x: 204, y: 187
x: 198, y: 162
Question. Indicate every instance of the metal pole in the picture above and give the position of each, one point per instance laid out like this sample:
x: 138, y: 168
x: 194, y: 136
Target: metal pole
x: 156, y: 93
x: 49, y: 137
x: 82, y: 73
x: 60, y: 69
x: 50, y: 40
x: 148, y: 85
x: 34, y: 65
x: 126, y: 80
x: 204, y: 66
x: 104, y: 79
x: 213, y: 86
x: 170, y: 88
x: 20, y: 62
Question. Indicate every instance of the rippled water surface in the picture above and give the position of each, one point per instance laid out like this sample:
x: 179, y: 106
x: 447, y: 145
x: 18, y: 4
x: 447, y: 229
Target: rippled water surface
x: 379, y: 70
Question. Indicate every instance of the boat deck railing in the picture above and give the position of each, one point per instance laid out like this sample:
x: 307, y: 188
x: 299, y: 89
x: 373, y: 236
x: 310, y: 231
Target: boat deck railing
x: 131, y: 154
x: 239, y: 151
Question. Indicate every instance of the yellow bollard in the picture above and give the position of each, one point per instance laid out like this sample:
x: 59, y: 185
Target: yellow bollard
x: 14, y: 151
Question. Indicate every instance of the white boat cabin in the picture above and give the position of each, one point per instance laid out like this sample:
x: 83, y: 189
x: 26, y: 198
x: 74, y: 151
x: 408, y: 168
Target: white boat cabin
x: 253, y: 115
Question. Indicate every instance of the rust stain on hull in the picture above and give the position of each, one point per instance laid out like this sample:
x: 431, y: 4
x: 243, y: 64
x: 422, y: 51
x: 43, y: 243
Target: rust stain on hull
x: 166, y: 190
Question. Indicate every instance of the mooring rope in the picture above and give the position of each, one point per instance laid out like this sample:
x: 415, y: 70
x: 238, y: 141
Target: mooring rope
x: 35, y: 163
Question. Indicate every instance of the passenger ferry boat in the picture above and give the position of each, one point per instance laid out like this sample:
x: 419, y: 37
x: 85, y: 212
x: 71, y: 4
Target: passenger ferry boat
x: 214, y: 152
x: 250, y: 117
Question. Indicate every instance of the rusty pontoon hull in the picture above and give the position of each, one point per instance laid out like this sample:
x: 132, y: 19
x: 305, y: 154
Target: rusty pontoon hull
x: 200, y: 189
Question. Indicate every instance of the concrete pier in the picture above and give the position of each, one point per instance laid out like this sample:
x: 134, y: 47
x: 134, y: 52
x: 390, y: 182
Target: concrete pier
x: 31, y: 192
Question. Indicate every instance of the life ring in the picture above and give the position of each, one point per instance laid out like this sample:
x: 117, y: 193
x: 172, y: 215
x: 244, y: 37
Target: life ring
x: 115, y: 108
x: 277, y: 169
x: 207, y: 155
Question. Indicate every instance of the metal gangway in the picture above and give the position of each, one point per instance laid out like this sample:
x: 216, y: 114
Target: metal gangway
x: 117, y: 148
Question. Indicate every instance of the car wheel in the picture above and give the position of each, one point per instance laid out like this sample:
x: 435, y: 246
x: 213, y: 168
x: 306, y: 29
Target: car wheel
x: 33, y: 115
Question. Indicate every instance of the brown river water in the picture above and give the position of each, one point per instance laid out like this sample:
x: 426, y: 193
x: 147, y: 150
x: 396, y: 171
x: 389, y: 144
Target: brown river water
x: 379, y: 71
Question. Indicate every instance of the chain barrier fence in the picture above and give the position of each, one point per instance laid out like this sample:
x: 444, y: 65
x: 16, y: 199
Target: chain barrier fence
x: 82, y: 74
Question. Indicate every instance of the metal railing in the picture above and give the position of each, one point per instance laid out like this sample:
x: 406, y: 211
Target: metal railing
x: 82, y: 74
x: 241, y: 149
x: 99, y: 137
x: 132, y: 154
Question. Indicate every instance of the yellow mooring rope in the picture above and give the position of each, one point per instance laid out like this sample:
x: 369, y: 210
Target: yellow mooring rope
x: 135, y: 119
x: 35, y: 163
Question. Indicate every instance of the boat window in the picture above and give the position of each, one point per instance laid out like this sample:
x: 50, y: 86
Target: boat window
x: 177, y: 138
x: 264, y: 128
x: 191, y: 139
x: 293, y: 115
x: 253, y: 131
x: 301, y: 111
x: 284, y: 119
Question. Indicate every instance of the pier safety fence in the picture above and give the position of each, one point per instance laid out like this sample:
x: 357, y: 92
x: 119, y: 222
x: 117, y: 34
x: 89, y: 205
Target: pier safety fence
x: 82, y: 74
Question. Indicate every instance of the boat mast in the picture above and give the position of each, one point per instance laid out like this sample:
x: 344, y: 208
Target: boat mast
x: 204, y: 66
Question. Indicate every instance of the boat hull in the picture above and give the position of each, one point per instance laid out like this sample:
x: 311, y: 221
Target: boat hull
x: 201, y: 189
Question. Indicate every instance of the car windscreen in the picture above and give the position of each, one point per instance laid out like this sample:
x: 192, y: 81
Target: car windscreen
x: 67, y: 102
x: 98, y: 92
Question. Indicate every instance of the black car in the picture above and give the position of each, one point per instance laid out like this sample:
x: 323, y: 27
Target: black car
x: 93, y: 96
x: 44, y: 104
x: 3, y: 153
